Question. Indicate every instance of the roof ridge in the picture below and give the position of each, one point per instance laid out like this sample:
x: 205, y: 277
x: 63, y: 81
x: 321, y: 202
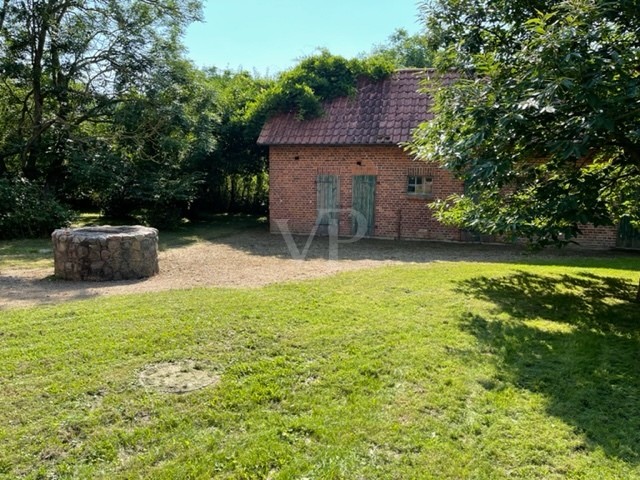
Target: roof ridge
x: 415, y: 69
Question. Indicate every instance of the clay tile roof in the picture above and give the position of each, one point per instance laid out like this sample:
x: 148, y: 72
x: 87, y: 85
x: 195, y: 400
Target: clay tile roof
x: 383, y: 112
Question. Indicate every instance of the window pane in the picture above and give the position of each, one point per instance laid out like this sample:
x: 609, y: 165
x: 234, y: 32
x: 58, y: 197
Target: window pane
x: 419, y: 185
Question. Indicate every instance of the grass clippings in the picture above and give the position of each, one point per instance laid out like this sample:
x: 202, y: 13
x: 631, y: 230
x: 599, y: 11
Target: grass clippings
x: 181, y: 376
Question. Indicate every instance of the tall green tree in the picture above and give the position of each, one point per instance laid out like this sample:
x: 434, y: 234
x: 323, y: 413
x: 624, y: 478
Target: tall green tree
x: 545, y: 135
x: 406, y: 51
x: 236, y: 169
x: 67, y: 63
x: 461, y: 29
x: 146, y: 159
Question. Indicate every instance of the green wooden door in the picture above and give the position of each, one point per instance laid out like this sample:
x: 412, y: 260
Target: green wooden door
x: 364, y: 203
x: 628, y: 237
x: 327, y: 202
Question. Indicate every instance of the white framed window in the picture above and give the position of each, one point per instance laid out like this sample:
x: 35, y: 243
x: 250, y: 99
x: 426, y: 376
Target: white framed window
x: 419, y: 185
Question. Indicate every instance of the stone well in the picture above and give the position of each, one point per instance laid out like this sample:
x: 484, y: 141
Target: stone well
x: 105, y: 253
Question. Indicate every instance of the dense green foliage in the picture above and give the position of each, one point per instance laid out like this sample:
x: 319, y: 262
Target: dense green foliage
x: 100, y: 108
x: 67, y: 64
x: 235, y: 170
x: 461, y: 29
x: 146, y: 165
x: 406, y: 51
x: 95, y: 105
x: 544, y: 122
x: 315, y: 79
x: 27, y: 210
x: 118, y: 121
x: 525, y: 369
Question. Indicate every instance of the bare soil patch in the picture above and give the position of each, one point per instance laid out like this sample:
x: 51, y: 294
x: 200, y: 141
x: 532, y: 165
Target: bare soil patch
x: 177, y: 377
x: 249, y: 258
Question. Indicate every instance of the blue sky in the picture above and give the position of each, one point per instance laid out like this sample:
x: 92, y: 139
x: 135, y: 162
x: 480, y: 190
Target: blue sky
x: 270, y: 35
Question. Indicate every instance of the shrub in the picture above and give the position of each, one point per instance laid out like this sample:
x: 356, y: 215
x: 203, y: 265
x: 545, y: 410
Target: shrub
x: 27, y: 210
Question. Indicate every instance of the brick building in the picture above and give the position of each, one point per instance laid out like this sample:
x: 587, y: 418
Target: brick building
x: 323, y: 170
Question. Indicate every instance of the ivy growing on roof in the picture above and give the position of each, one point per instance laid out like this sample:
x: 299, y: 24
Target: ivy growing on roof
x: 316, y: 79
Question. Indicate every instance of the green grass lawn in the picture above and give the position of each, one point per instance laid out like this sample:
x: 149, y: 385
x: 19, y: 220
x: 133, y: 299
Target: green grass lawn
x: 31, y: 253
x: 444, y: 370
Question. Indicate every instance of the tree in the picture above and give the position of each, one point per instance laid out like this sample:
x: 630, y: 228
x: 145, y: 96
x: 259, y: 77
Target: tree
x: 545, y: 135
x: 236, y: 177
x: 405, y: 51
x: 145, y: 161
x: 464, y: 28
x: 68, y: 63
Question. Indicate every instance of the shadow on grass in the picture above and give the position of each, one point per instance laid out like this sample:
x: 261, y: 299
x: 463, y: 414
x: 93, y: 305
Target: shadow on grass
x: 212, y: 229
x: 208, y: 228
x: 585, y: 359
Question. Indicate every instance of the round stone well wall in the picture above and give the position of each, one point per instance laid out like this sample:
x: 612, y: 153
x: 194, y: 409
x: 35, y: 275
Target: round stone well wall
x: 105, y: 253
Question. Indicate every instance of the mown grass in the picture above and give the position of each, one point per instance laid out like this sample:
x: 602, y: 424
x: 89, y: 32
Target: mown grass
x: 28, y: 253
x: 445, y: 370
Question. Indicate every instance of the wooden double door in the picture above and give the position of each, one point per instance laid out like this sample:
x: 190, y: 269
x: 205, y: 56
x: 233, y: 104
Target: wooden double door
x: 363, y: 203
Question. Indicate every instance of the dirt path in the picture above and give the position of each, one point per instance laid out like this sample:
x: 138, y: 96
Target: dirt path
x: 246, y: 259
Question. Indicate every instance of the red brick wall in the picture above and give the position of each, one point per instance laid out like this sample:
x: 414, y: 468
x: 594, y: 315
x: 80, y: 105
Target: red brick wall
x: 598, y: 237
x: 292, y: 191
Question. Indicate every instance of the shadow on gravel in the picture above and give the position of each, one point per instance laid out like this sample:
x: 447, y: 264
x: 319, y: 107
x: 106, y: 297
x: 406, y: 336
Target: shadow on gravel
x: 261, y: 243
x: 47, y: 289
x: 251, y: 240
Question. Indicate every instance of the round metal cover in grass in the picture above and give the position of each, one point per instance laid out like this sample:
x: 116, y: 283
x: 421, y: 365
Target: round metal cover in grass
x: 178, y: 377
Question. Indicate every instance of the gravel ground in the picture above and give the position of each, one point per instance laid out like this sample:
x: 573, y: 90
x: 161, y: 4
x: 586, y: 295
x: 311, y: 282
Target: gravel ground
x: 245, y: 259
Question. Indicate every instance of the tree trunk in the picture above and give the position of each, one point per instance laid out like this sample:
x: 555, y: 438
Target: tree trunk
x: 55, y: 173
x: 3, y: 13
x: 39, y: 31
x: 232, y: 193
x: 638, y: 293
